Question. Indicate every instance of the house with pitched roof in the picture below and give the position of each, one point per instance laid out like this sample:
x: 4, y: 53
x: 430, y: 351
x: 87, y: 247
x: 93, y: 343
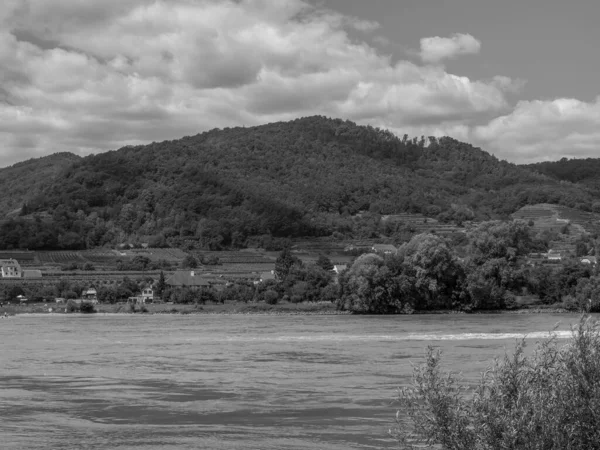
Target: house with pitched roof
x: 90, y: 295
x: 189, y: 279
x: 10, y: 268
x: 147, y: 296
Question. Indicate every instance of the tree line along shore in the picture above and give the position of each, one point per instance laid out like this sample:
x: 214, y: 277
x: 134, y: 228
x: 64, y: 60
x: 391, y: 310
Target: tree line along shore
x: 491, y: 267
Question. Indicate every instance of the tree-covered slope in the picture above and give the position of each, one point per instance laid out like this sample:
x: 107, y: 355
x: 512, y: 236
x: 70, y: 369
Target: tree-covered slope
x: 584, y: 171
x: 21, y: 182
x: 310, y: 176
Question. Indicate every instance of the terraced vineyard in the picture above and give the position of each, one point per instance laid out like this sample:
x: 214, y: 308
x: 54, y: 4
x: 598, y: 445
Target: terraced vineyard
x: 236, y: 265
x: 237, y: 257
x: 23, y: 257
x: 555, y: 217
x: 172, y: 255
x: 418, y: 224
x: 59, y: 257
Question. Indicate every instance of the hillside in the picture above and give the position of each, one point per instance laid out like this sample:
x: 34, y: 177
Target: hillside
x: 23, y: 181
x: 583, y: 171
x: 562, y: 227
x: 245, y: 186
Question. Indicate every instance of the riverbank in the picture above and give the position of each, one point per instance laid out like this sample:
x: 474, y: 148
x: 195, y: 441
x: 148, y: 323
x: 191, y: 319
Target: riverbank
x: 230, y: 308
x: 285, y: 308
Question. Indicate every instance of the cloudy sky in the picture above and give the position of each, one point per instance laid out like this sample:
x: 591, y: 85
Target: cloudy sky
x: 516, y: 77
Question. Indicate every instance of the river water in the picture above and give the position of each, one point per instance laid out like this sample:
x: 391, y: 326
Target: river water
x: 229, y: 382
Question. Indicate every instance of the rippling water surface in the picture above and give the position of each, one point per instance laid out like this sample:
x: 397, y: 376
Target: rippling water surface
x: 228, y: 382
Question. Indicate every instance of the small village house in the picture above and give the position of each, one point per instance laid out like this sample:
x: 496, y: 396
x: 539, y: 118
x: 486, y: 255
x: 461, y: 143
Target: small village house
x: 189, y: 279
x: 147, y: 296
x: 90, y: 295
x: 266, y: 276
x: 10, y: 268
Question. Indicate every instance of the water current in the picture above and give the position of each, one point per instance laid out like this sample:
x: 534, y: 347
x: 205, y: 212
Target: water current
x: 229, y: 382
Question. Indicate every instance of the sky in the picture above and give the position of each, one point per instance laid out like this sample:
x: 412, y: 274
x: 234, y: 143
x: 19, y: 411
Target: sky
x: 517, y: 78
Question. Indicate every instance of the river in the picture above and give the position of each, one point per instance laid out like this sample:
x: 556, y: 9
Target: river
x: 229, y: 382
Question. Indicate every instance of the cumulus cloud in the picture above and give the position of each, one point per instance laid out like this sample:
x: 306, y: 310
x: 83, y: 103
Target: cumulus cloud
x: 544, y: 130
x: 435, y: 49
x: 92, y: 76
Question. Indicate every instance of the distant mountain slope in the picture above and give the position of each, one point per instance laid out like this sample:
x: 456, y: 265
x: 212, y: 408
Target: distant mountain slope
x: 23, y: 181
x: 308, y: 177
x: 584, y: 171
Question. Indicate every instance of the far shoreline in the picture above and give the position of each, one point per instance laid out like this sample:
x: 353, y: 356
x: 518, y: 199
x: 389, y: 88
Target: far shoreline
x: 240, y: 309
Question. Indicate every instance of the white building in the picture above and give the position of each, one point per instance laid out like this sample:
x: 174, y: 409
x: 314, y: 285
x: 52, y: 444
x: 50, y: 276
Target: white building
x: 10, y: 268
x: 147, y: 295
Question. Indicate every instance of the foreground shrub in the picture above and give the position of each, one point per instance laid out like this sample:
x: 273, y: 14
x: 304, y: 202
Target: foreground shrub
x: 549, y: 400
x: 87, y: 308
x: 71, y: 307
x: 271, y: 297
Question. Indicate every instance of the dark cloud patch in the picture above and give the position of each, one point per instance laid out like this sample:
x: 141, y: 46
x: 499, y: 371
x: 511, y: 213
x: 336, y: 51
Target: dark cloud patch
x: 28, y: 36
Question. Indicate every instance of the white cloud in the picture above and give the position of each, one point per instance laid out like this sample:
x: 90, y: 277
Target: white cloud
x: 544, y: 130
x: 120, y: 72
x: 435, y: 49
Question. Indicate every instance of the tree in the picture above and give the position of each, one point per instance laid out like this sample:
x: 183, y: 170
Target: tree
x: 324, y: 263
x: 161, y: 285
x: 271, y: 297
x: 140, y: 262
x: 434, y: 269
x: 284, y: 263
x: 189, y: 262
x: 548, y: 400
x: 369, y: 287
x: 580, y: 248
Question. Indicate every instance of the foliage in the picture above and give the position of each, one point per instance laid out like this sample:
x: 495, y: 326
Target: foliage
x: 247, y: 186
x: 284, y: 263
x: 324, y: 263
x: 583, y: 171
x: 271, y: 297
x: 71, y: 307
x: 87, y: 308
x: 189, y: 262
x: 547, y: 400
x: 161, y: 285
x: 240, y: 291
x: 368, y: 287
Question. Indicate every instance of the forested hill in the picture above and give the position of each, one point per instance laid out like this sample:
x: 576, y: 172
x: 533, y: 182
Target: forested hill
x: 584, y: 171
x: 311, y: 176
x: 21, y: 182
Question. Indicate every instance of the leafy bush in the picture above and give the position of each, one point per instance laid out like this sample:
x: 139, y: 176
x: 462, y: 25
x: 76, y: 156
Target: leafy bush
x: 296, y: 299
x: 271, y: 297
x: 87, y: 308
x: 71, y: 307
x: 549, y: 400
